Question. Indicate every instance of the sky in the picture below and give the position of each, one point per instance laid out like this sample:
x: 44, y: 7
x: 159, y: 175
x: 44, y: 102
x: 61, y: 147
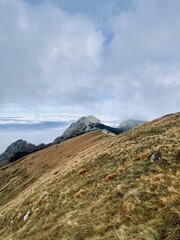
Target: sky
x: 109, y: 58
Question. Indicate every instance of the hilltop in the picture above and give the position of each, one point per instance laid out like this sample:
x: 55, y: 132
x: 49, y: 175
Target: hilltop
x: 97, y: 187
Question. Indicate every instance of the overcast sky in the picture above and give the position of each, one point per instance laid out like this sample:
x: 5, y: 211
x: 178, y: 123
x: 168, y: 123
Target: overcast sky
x: 108, y: 57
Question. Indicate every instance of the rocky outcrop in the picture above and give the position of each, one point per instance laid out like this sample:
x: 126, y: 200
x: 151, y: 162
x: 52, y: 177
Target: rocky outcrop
x: 18, y: 149
x: 83, y: 125
x: 129, y: 124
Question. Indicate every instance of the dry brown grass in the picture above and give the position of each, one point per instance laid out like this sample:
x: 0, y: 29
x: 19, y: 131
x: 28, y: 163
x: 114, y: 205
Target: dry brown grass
x: 97, y: 187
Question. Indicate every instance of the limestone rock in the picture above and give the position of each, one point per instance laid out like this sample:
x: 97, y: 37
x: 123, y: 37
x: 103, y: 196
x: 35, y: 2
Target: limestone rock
x: 83, y: 125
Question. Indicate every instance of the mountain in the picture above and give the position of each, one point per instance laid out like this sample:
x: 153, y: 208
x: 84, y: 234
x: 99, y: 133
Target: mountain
x: 83, y: 125
x: 21, y: 148
x: 18, y: 149
x: 97, y: 187
x: 129, y: 124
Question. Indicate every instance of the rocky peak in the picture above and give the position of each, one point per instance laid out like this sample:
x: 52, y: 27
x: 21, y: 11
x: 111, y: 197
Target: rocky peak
x: 79, y: 127
x: 18, y: 147
x: 84, y: 124
x: 90, y: 119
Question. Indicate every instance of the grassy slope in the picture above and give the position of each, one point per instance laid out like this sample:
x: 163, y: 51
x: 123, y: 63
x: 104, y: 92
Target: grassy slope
x: 97, y: 187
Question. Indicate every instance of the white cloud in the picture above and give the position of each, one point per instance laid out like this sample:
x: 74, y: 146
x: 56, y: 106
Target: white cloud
x: 143, y: 60
x: 123, y: 63
x: 46, y: 53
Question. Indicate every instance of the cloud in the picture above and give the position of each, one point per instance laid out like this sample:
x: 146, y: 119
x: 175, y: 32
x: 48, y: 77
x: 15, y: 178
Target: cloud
x: 46, y: 53
x: 118, y: 58
x: 143, y: 60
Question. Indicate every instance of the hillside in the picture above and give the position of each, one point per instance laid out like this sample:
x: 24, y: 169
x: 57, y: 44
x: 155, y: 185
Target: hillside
x: 97, y: 187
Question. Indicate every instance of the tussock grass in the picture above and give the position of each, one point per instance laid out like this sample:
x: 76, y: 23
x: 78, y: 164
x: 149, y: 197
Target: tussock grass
x: 97, y: 187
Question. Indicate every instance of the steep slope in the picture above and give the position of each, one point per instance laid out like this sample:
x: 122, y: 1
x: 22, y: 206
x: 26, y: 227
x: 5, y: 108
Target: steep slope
x: 98, y: 187
x: 19, y: 175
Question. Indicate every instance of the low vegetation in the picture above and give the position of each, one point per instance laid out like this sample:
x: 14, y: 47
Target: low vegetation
x: 97, y: 187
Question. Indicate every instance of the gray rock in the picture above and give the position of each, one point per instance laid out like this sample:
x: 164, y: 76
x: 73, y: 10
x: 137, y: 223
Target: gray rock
x: 27, y: 215
x: 83, y: 125
x: 20, y: 147
x: 155, y: 157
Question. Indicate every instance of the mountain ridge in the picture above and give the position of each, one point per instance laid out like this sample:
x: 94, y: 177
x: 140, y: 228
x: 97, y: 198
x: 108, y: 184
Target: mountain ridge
x: 21, y: 148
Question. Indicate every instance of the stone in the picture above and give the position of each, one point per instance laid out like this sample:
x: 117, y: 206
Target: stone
x: 27, y: 215
x: 155, y: 157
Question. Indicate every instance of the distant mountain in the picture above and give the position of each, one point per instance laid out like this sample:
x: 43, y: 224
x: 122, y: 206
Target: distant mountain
x: 124, y: 126
x: 21, y: 148
x: 129, y: 124
x: 91, y: 123
x: 83, y: 125
x: 18, y: 149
